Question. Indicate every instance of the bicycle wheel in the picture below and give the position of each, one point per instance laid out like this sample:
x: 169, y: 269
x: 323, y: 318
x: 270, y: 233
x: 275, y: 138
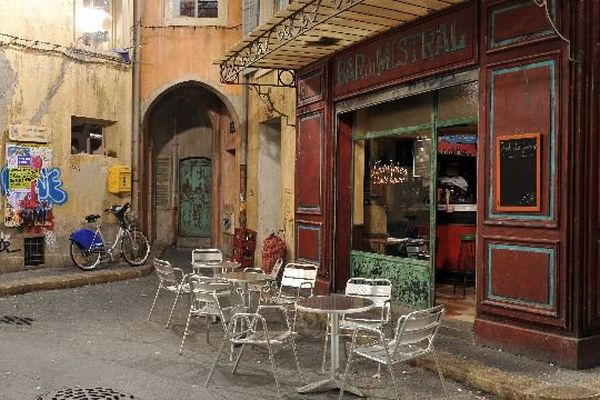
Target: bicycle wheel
x: 135, y: 247
x: 84, y: 259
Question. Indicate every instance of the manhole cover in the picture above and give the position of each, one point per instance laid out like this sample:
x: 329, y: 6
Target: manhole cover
x: 89, y: 394
x: 14, y: 320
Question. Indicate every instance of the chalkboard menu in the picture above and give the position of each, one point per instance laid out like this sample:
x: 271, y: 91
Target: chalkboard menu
x: 517, y: 172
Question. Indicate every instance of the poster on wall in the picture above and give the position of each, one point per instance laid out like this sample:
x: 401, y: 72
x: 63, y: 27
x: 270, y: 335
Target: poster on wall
x: 30, y: 186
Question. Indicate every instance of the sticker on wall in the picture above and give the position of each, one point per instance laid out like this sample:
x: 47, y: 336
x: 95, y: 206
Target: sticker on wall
x: 31, y: 187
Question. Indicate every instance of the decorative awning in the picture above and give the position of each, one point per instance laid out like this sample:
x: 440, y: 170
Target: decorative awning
x: 308, y: 30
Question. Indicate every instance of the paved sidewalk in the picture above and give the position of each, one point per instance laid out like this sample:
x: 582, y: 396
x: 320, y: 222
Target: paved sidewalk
x: 504, y: 375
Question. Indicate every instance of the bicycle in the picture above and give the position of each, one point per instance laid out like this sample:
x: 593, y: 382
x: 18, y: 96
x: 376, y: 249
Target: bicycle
x: 88, y: 245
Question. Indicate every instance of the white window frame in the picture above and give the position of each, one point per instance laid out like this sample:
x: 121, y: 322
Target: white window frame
x: 171, y: 19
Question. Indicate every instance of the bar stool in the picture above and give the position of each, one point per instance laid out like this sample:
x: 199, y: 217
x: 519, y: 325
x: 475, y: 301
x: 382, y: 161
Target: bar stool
x: 466, y: 261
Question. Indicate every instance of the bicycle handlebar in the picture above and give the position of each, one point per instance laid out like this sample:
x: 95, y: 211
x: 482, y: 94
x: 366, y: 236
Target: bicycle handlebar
x: 117, y: 207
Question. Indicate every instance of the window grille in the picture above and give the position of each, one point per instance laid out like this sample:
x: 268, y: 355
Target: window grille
x: 34, y: 251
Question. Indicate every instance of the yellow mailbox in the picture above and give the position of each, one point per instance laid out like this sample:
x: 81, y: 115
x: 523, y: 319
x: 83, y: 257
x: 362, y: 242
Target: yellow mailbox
x: 119, y: 179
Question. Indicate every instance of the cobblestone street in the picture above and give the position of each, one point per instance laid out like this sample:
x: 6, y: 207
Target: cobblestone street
x: 99, y: 337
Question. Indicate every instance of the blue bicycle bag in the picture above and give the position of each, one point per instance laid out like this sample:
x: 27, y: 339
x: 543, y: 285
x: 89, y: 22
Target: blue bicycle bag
x: 86, y: 239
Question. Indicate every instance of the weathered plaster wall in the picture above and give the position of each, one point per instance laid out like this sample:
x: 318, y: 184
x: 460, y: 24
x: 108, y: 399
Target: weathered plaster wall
x: 284, y: 101
x: 171, y: 55
x: 174, y: 56
x: 47, y: 89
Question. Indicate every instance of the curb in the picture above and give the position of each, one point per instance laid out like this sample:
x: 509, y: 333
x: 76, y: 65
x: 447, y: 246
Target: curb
x: 75, y: 279
x: 80, y: 278
x: 502, y: 384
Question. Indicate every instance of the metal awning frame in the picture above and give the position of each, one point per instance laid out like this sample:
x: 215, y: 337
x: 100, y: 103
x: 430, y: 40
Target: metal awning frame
x: 283, y: 78
x: 266, y: 40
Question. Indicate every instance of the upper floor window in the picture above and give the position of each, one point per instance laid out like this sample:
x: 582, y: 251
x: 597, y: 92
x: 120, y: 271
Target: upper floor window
x: 196, y: 12
x: 281, y: 4
x: 198, y: 8
x: 95, y: 23
x: 256, y: 12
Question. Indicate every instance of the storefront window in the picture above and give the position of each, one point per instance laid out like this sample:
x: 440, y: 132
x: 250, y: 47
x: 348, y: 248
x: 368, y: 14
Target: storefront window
x: 392, y: 173
x: 414, y: 169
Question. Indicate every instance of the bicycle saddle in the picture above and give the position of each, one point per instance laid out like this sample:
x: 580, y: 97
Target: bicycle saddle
x: 92, y: 217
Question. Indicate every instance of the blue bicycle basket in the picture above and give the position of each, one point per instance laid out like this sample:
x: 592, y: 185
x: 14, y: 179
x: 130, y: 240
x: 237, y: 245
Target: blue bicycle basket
x: 86, y: 239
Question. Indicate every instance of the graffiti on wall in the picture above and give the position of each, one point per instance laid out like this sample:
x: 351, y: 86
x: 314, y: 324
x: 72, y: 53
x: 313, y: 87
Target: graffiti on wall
x: 30, y: 186
x: 5, y: 243
x: 50, y: 239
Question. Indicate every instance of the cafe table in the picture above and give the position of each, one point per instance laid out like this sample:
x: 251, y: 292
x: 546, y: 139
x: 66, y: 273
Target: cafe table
x: 201, y: 266
x: 245, y: 278
x: 333, y: 305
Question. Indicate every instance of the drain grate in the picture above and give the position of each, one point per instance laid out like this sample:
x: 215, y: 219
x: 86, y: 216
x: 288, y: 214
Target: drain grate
x: 89, y: 394
x: 14, y: 320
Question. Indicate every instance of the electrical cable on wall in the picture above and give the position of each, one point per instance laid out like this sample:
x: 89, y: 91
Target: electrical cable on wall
x: 217, y: 27
x: 73, y: 53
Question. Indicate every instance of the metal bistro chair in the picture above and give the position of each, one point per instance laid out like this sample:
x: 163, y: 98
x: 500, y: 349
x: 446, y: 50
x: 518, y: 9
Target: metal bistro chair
x: 202, y: 301
x: 298, y: 280
x: 413, y: 338
x: 171, y: 279
x: 377, y: 290
x: 253, y: 329
x: 270, y: 286
x: 202, y: 256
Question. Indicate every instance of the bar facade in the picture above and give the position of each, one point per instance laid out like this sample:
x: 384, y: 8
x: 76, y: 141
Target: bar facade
x: 473, y: 127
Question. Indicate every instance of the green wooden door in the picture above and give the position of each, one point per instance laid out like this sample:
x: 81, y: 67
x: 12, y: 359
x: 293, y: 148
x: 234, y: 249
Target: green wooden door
x: 195, y: 194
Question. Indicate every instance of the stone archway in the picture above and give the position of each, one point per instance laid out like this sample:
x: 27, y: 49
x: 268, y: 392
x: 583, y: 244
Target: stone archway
x: 188, y: 143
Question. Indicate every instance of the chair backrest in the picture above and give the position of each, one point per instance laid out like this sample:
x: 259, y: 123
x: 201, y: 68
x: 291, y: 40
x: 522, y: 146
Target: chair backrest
x: 167, y: 275
x: 299, y: 275
x: 202, y: 289
x: 207, y: 255
x: 379, y: 291
x: 419, y: 328
x: 276, y: 268
x: 228, y: 304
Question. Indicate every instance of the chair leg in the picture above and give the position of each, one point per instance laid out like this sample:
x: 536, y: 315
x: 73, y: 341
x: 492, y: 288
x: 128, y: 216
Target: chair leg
x: 272, y: 358
x: 215, y: 362
x: 294, y: 320
x: 237, y: 360
x: 294, y: 349
x: 325, y: 349
x: 346, y: 371
x: 391, y: 370
x: 173, y: 309
x: 207, y: 328
x: 185, y: 331
x: 154, y: 302
x: 440, y: 374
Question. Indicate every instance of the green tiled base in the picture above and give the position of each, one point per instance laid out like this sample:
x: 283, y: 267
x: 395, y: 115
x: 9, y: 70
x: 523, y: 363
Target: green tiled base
x: 411, y: 278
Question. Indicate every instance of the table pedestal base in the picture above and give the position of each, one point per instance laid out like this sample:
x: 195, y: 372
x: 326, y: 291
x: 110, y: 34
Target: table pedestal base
x: 329, y: 384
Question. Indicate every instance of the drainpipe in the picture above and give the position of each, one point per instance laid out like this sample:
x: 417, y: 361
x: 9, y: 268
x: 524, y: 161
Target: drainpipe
x: 135, y: 111
x: 244, y: 152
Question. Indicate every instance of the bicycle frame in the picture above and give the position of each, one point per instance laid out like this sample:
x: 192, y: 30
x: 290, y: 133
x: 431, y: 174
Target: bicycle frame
x: 93, y: 240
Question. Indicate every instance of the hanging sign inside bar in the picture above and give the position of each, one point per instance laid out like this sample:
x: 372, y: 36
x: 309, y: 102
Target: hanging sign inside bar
x: 436, y: 45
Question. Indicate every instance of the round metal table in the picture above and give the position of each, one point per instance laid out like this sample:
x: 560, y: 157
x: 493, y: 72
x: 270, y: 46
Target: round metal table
x: 245, y: 278
x: 333, y: 305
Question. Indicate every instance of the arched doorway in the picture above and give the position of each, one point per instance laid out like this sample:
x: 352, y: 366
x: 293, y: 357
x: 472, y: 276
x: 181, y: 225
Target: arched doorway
x: 188, y: 141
